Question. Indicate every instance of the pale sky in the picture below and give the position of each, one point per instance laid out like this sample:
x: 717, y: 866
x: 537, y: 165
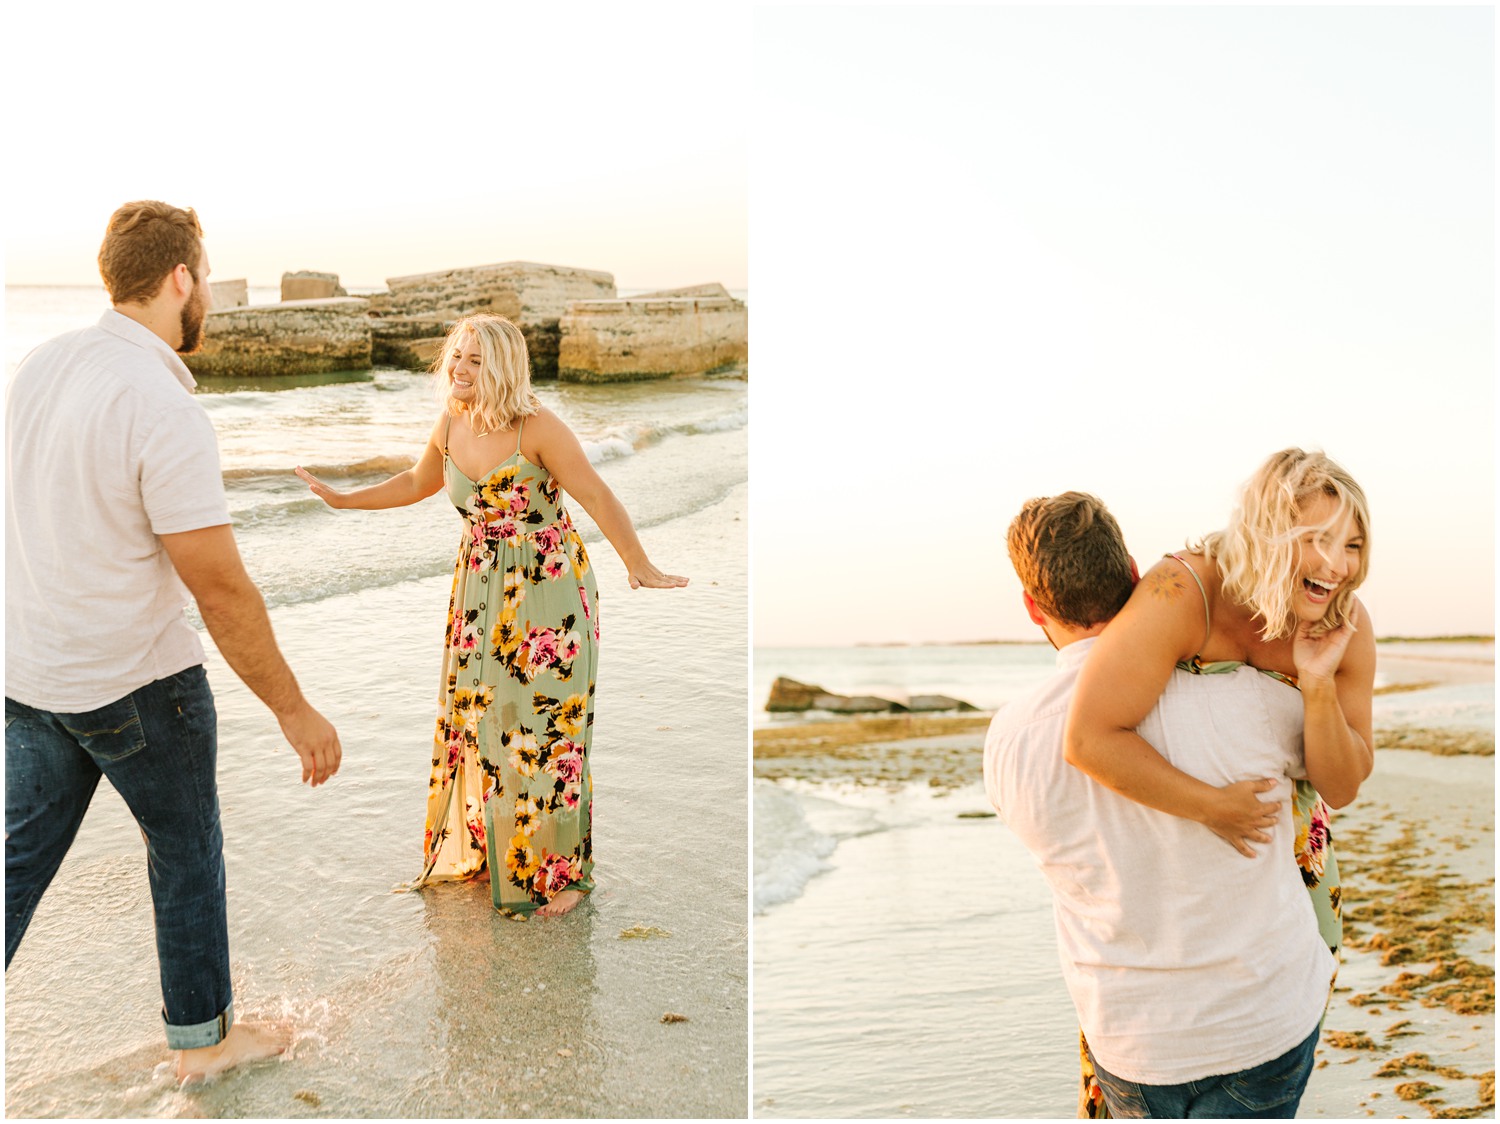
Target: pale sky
x: 382, y: 139
x: 1007, y: 252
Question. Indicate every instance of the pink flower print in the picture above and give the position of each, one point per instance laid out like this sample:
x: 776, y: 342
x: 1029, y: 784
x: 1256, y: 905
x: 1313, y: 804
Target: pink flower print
x: 548, y: 539
x: 567, y: 765
x: 475, y: 823
x: 540, y: 650
x: 468, y: 637
x: 583, y: 599
x: 570, y: 795
x: 555, y: 872
x: 516, y: 501
x: 555, y: 565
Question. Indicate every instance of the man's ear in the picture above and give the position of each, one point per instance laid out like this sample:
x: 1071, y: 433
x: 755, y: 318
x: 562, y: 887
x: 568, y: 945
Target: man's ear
x: 1036, y: 615
x: 1135, y: 574
x: 181, y: 280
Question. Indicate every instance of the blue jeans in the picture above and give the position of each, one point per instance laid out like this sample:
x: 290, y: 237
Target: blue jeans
x: 1270, y: 1090
x: 158, y: 746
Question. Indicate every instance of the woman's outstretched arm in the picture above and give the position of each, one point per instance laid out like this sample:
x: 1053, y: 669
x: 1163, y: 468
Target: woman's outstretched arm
x: 1336, y: 673
x: 417, y: 483
x: 1122, y: 680
x: 557, y: 447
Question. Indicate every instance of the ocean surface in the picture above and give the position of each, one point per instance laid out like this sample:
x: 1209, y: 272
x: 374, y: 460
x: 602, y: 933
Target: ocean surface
x: 430, y: 1004
x: 905, y: 957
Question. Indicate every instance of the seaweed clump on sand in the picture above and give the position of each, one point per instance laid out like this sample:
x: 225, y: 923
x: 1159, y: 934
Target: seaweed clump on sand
x: 1415, y: 915
x: 1438, y: 742
x: 1418, y: 916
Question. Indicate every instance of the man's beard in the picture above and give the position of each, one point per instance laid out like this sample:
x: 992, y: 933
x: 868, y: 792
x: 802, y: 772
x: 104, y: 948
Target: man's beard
x: 192, y: 321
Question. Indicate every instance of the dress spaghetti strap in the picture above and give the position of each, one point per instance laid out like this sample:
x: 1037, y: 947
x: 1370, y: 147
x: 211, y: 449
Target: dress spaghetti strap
x: 447, y: 425
x: 1207, y: 616
x: 520, y: 424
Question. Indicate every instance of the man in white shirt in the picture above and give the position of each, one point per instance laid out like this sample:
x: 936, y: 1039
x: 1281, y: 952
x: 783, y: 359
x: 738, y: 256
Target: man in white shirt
x: 114, y: 513
x: 1199, y: 975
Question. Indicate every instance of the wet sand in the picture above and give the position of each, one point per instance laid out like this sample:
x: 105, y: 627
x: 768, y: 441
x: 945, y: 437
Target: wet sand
x: 430, y: 1004
x: 1410, y: 1031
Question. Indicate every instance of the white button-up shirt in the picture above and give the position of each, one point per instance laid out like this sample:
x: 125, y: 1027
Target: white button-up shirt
x: 106, y: 449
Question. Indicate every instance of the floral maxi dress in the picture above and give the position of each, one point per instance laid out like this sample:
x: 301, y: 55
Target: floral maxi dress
x: 510, y: 784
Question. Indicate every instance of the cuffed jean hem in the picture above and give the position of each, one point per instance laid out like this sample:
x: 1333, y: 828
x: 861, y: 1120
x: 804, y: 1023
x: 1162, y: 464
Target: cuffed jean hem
x: 199, y: 1035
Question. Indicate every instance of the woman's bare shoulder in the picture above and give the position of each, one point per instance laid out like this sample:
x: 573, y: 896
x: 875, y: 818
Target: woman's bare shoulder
x: 1171, y: 578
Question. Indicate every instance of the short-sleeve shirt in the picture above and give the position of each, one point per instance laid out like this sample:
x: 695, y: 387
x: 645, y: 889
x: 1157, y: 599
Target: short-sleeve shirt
x: 106, y: 450
x: 1184, y: 959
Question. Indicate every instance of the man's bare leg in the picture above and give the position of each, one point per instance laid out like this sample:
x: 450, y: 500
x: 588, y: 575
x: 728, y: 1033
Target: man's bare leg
x: 245, y: 1042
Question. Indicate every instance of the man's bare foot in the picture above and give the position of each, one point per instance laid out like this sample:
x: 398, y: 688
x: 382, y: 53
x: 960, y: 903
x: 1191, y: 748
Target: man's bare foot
x: 245, y: 1042
x: 561, y: 904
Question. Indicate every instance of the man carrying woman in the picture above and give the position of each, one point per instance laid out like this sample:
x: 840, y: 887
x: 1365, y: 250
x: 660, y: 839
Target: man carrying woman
x: 1200, y: 974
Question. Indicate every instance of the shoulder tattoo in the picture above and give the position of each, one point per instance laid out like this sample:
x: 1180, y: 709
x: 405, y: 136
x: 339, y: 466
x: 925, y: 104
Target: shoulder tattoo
x: 1166, y: 583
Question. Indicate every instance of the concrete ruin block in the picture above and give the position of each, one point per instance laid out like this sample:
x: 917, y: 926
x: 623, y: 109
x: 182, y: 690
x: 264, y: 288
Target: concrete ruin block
x: 711, y: 289
x: 530, y: 295
x: 291, y: 338
x: 649, y: 338
x: 230, y: 294
x: 309, y: 285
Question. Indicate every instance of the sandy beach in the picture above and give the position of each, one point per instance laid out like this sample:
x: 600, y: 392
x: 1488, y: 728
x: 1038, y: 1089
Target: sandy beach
x: 922, y: 951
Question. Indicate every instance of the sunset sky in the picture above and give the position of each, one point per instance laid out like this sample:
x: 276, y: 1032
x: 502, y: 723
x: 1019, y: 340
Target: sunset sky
x: 380, y: 140
x: 1003, y: 252
x: 999, y: 252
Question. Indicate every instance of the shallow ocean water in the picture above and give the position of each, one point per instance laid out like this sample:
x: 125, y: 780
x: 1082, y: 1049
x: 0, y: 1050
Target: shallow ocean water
x: 430, y: 1004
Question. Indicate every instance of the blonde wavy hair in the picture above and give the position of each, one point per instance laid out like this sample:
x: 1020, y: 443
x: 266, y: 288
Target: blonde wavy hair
x: 1259, y: 553
x: 502, y: 392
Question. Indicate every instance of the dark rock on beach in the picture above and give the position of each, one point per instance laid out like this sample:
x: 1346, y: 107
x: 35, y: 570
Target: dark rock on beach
x: 789, y: 696
x: 926, y: 703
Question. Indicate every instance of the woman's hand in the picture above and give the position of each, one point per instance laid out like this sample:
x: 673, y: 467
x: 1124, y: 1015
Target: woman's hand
x: 1238, y: 816
x: 1317, y: 658
x: 331, y: 496
x: 649, y: 577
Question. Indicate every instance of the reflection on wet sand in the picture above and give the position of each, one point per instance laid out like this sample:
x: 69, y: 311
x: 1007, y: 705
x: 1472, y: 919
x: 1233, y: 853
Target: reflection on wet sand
x: 512, y: 1006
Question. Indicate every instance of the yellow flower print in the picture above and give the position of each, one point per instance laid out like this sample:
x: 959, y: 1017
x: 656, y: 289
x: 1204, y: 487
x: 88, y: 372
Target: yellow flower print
x: 469, y: 706
x: 515, y: 588
x: 570, y: 715
x: 528, y: 814
x: 499, y: 491
x: 506, y: 635
x: 525, y: 755
x: 520, y: 859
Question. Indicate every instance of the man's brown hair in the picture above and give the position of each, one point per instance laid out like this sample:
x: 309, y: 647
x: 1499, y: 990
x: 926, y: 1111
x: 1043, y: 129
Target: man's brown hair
x: 143, y: 243
x: 1070, y: 556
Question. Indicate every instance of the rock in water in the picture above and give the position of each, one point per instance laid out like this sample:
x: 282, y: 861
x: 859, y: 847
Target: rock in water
x: 299, y: 338
x: 531, y: 296
x: 857, y: 704
x: 920, y: 703
x: 653, y: 336
x: 788, y: 695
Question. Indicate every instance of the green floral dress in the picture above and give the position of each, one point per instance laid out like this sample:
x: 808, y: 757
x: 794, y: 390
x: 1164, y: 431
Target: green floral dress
x: 510, y: 786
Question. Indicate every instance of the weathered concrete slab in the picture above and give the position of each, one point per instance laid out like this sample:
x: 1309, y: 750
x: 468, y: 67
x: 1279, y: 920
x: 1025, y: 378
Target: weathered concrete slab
x: 531, y: 295
x: 230, y: 294
x: 408, y: 342
x: 310, y: 285
x: 652, y: 337
x: 291, y: 338
x: 711, y: 289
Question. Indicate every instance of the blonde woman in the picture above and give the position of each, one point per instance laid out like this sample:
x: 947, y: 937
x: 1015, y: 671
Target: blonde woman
x: 1274, y: 590
x: 510, y: 791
